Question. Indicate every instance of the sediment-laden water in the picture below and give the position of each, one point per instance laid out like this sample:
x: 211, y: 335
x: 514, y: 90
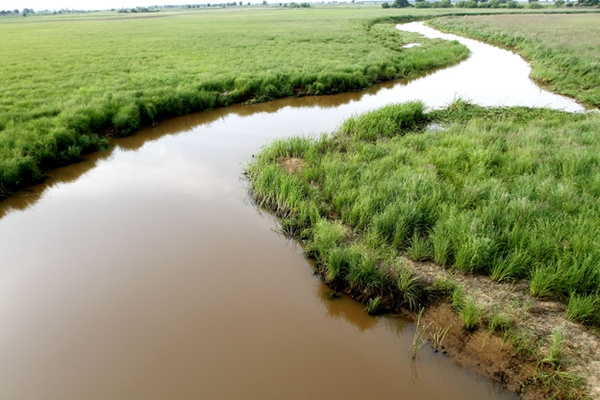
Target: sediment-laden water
x: 145, y: 273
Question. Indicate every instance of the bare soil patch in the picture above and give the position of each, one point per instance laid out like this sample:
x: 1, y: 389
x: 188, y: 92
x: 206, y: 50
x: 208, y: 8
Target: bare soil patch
x: 292, y: 165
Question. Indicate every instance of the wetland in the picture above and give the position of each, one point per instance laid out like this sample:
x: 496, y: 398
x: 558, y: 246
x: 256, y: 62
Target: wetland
x: 154, y: 275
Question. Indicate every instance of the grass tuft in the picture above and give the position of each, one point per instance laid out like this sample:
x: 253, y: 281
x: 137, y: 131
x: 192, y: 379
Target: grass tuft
x: 470, y: 315
x: 584, y: 309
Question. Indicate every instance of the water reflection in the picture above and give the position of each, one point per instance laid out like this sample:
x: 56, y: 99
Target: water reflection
x: 344, y: 308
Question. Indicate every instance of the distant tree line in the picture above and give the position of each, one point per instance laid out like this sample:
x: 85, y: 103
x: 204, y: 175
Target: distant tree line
x: 25, y: 12
x: 137, y: 10
x: 485, y: 4
x: 29, y: 11
x: 9, y: 12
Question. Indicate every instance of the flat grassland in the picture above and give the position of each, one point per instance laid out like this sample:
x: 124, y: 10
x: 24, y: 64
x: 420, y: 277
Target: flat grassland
x: 563, y: 49
x: 69, y: 82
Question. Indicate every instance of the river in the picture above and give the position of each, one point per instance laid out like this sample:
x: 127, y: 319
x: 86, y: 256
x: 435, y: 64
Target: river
x: 144, y: 272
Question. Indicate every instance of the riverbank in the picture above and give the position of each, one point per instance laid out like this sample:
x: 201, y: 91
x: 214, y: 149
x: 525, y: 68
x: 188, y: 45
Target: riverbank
x: 562, y: 49
x: 501, y: 194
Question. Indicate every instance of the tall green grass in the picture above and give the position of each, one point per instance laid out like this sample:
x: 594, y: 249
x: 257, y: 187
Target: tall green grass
x: 70, y: 83
x: 509, y: 192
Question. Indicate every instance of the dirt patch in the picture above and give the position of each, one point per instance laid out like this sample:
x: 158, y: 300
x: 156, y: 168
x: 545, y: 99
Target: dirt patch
x: 493, y: 356
x: 481, y: 351
x: 292, y: 165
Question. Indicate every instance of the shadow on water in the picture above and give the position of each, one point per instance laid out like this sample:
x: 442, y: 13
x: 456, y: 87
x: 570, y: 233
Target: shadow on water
x: 345, y: 308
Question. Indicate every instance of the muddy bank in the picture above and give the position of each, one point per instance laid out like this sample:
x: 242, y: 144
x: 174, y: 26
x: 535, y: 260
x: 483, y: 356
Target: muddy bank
x: 522, y: 364
x: 513, y: 337
x: 496, y: 354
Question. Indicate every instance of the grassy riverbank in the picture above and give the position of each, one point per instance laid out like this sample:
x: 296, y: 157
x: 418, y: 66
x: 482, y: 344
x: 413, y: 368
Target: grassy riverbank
x: 563, y: 49
x: 509, y: 193
x: 70, y: 82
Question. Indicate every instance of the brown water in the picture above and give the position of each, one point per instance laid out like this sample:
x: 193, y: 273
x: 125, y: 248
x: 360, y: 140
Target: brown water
x: 145, y: 273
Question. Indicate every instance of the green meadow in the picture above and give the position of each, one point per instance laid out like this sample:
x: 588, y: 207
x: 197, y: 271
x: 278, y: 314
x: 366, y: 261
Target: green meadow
x: 68, y: 83
x: 563, y: 49
x: 511, y: 193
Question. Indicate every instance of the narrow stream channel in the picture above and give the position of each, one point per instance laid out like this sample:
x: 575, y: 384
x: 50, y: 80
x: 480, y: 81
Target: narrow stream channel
x: 145, y: 273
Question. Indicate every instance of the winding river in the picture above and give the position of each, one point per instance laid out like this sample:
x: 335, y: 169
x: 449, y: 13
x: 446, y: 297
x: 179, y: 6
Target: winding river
x: 145, y: 273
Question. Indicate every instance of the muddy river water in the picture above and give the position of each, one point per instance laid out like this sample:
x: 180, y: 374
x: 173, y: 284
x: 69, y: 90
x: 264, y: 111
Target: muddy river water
x: 145, y: 273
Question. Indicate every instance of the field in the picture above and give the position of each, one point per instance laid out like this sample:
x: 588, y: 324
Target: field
x: 492, y: 211
x: 563, y: 49
x: 70, y: 82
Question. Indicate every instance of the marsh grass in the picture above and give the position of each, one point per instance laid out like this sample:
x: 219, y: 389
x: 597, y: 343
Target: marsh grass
x: 559, y: 384
x: 438, y: 335
x: 458, y: 298
x: 524, y: 344
x: 419, y: 335
x: 513, y: 193
x: 509, y: 192
x: 542, y: 282
x: 499, y: 322
x: 444, y: 287
x: 555, y: 353
x: 584, y: 309
x: 373, y: 306
x: 470, y: 315
x: 411, y: 290
x: 420, y: 248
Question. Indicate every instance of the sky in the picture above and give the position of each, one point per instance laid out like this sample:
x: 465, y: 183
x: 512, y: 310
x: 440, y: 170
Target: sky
x: 39, y: 5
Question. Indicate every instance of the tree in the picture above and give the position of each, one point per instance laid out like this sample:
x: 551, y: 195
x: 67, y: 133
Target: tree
x: 588, y: 3
x: 385, y: 5
x: 401, y: 4
x: 559, y: 3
